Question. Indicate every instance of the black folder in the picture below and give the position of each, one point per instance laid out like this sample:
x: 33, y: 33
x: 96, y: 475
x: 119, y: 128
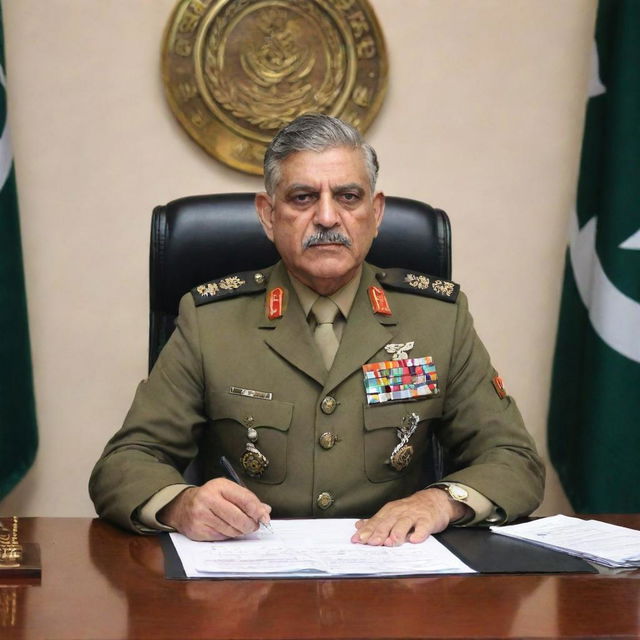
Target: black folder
x: 488, y: 552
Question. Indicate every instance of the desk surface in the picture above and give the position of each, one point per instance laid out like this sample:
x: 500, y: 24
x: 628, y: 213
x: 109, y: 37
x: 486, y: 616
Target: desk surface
x: 100, y: 582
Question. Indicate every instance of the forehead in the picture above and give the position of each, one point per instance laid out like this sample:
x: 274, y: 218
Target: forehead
x: 331, y: 167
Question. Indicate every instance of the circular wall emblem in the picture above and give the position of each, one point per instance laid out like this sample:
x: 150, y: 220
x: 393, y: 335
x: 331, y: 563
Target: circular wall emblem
x: 236, y: 71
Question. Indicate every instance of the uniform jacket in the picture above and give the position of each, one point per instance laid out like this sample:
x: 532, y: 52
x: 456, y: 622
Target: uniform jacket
x: 186, y: 405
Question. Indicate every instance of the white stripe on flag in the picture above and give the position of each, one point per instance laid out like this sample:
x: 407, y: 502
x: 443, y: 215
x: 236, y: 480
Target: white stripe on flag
x: 6, y: 157
x: 614, y: 316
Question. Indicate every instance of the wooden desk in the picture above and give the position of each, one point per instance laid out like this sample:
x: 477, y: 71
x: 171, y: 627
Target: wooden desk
x: 99, y: 582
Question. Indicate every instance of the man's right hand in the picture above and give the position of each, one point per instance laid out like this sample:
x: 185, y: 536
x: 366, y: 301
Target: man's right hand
x: 217, y: 510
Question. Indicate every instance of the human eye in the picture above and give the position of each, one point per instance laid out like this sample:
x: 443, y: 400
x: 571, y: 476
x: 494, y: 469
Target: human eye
x: 301, y: 198
x: 350, y: 197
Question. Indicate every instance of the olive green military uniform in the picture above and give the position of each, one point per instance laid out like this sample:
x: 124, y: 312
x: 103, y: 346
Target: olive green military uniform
x: 225, y: 348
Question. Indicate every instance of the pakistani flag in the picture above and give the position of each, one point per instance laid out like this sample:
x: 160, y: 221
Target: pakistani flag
x: 594, y: 420
x: 18, y: 436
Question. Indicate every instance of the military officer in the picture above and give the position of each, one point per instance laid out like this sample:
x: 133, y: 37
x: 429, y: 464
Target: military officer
x: 321, y: 379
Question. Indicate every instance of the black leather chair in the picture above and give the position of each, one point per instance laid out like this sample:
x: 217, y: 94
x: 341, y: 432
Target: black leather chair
x: 199, y: 238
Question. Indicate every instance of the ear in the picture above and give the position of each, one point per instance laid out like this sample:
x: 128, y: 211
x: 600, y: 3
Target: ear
x: 264, y: 208
x: 378, y: 209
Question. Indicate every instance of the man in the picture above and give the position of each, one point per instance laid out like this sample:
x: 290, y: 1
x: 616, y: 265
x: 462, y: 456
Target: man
x: 283, y: 370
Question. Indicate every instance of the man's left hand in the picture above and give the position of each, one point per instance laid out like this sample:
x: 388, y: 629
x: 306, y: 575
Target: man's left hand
x: 411, y: 519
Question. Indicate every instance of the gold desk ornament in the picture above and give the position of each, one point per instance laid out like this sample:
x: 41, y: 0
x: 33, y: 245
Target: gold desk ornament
x: 237, y: 71
x: 16, y: 559
x: 10, y: 548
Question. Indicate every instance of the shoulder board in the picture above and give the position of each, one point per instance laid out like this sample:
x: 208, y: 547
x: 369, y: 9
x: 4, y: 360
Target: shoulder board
x: 229, y: 287
x: 419, y: 283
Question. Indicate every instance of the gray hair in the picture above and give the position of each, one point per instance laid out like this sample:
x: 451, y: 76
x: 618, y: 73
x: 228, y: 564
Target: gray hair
x: 315, y: 132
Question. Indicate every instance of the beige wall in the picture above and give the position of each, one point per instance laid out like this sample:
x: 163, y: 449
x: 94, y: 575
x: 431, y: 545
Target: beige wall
x: 483, y: 118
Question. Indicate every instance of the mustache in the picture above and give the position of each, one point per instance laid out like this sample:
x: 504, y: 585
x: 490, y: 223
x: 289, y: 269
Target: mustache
x: 326, y: 236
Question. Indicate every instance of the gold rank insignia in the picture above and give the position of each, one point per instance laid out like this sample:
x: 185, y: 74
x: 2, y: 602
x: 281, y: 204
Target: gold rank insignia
x: 419, y: 283
x: 228, y: 287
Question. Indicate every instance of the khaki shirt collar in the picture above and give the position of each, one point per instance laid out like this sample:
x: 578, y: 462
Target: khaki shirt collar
x: 343, y: 297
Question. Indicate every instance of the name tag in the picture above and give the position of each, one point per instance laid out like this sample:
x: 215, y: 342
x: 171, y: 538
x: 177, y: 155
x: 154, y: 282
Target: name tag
x: 250, y: 393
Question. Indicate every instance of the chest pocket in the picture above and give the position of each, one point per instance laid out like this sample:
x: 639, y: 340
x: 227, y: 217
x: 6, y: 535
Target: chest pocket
x: 381, y: 423
x: 230, y: 418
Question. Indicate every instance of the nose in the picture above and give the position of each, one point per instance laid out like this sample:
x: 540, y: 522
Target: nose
x: 326, y: 212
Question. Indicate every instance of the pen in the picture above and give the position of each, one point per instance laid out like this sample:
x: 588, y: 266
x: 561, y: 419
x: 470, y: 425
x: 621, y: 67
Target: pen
x: 233, y: 475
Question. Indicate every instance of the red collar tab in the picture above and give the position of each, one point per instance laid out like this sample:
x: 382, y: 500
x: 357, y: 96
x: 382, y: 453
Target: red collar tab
x: 275, y: 303
x: 498, y: 385
x: 379, y: 302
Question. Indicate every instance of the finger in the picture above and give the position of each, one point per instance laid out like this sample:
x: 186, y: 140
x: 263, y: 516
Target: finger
x: 375, y: 531
x: 204, y: 533
x: 211, y: 513
x: 422, y: 530
x: 231, y: 522
x: 266, y: 518
x: 235, y: 520
x: 249, y: 504
x: 426, y: 526
x: 215, y: 505
x: 202, y: 529
x: 399, y: 531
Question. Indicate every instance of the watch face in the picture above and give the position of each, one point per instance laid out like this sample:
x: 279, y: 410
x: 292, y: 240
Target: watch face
x: 458, y: 493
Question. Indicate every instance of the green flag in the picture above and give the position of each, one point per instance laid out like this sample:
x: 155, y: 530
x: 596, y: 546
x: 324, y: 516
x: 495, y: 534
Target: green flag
x: 18, y: 435
x: 594, y: 417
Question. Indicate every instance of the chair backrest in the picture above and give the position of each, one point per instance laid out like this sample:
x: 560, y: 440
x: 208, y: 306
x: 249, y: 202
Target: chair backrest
x: 199, y: 238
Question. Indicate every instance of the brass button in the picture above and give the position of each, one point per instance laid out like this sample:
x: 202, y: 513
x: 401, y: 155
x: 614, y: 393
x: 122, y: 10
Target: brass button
x: 324, y: 500
x: 258, y: 277
x: 328, y: 405
x: 327, y: 440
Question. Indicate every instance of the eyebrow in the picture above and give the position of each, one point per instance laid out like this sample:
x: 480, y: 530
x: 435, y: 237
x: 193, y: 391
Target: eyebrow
x: 341, y: 188
x: 351, y: 186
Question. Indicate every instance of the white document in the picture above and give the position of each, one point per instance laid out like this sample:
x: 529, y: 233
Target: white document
x: 311, y: 548
x: 592, y: 540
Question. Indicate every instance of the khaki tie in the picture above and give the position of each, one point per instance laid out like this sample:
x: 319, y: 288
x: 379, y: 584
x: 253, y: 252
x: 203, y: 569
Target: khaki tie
x: 325, y: 311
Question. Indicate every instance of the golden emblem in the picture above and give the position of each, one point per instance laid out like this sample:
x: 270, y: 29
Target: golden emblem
x: 213, y: 288
x: 401, y: 458
x: 253, y: 462
x: 403, y: 452
x: 443, y: 287
x: 209, y: 289
x: 236, y: 71
x: 418, y: 282
x: 232, y: 282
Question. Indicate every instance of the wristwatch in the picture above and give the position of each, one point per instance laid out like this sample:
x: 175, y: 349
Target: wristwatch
x: 455, y: 491
x: 459, y: 494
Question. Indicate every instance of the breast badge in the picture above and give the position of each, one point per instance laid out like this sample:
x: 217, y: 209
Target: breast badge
x: 402, y: 454
x: 252, y: 460
x: 237, y: 71
x: 400, y: 351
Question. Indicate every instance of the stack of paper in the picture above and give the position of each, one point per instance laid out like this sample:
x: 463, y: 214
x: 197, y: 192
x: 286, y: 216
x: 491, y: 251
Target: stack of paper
x: 598, y: 542
x: 311, y: 548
